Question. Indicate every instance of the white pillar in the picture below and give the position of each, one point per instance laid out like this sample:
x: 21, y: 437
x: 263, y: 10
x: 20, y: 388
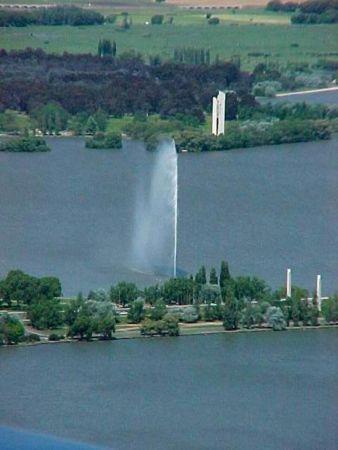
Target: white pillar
x: 221, y: 112
x: 288, y: 283
x: 214, y: 115
x: 319, y: 292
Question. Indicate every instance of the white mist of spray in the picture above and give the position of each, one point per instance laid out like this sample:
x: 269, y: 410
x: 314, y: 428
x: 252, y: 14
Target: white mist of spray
x: 154, y: 244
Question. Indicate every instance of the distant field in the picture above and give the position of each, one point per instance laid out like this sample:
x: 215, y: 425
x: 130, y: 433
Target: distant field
x: 254, y: 42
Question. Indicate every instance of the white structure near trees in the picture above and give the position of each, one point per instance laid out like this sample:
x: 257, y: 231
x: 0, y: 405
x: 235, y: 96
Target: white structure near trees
x: 218, y: 114
x: 288, y: 283
x: 319, y: 292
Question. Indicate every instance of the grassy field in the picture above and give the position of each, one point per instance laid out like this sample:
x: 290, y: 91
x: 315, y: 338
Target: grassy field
x: 254, y: 43
x: 253, y: 33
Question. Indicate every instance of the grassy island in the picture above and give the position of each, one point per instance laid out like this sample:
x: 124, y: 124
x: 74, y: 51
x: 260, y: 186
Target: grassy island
x: 24, y: 144
x: 105, y: 141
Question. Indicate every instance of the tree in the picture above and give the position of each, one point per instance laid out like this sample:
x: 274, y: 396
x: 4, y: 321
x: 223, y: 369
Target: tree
x: 224, y: 276
x: 72, y: 309
x: 213, y: 276
x: 330, y: 309
x: 167, y: 326
x: 250, y: 288
x: 251, y: 316
x: 159, y: 310
x: 105, y: 48
x: 209, y: 293
x: 178, y: 291
x: 101, y: 118
x: 124, y: 293
x: 19, y: 287
x: 152, y: 294
x: 201, y: 276
x: 11, y: 329
x: 106, y: 326
x: 275, y: 318
x: 45, y: 313
x: 91, y: 125
x: 231, y: 312
x: 190, y: 314
x: 51, y: 118
x: 157, y: 19
x: 136, y: 312
x: 49, y: 287
x: 83, y: 326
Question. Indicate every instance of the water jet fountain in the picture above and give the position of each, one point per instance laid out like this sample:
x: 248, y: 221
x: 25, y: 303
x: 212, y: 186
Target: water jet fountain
x: 154, y: 244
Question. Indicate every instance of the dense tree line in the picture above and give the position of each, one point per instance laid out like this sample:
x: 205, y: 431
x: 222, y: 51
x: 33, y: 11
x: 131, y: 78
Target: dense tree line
x: 242, y: 301
x: 308, y: 12
x: 58, y: 15
x: 253, y: 134
x: 31, y: 79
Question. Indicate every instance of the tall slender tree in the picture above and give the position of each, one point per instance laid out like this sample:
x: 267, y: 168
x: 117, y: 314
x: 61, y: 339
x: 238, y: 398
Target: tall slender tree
x: 224, y: 275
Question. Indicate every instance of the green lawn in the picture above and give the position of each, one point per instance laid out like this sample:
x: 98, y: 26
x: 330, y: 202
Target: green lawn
x: 254, y: 34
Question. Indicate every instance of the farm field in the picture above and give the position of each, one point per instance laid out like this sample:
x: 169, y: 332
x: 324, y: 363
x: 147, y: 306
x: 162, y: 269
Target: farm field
x: 252, y: 42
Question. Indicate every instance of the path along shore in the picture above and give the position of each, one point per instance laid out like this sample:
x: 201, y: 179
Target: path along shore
x: 132, y: 331
x: 312, y: 91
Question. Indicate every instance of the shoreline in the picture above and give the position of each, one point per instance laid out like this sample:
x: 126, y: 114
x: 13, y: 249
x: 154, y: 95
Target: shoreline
x: 195, y: 330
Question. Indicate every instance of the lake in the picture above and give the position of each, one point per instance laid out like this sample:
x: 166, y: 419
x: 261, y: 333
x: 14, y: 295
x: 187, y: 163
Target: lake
x: 271, y: 390
x: 71, y: 212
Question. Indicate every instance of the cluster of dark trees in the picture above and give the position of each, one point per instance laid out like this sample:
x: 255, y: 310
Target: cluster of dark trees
x: 37, y: 295
x: 24, y: 144
x: 58, y: 15
x: 308, y: 12
x: 31, y: 79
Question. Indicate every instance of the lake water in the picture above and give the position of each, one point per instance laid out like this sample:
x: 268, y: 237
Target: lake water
x: 70, y: 212
x: 275, y: 390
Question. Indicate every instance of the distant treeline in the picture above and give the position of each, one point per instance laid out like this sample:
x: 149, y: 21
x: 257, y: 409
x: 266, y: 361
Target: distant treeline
x: 59, y: 15
x: 117, y: 86
x: 309, y: 12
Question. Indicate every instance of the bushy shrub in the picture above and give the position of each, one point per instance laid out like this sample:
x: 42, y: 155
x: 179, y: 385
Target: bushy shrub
x: 189, y: 314
x: 11, y: 329
x: 31, y: 338
x: 213, y: 21
x: 55, y: 337
x: 275, y: 318
x: 157, y: 19
x: 266, y: 88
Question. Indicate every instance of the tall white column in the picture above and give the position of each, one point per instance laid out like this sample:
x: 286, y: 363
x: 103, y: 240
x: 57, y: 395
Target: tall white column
x: 221, y: 112
x: 218, y: 114
x: 288, y: 283
x: 319, y: 292
x: 214, y: 115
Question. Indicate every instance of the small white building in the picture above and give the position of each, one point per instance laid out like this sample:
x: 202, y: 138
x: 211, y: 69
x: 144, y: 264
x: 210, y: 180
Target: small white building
x: 218, y: 114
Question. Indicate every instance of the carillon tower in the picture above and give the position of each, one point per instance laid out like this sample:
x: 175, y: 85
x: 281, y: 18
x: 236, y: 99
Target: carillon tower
x: 218, y: 114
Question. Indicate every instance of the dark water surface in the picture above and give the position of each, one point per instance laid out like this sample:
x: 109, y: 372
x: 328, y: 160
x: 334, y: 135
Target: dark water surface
x: 230, y: 391
x: 70, y: 212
